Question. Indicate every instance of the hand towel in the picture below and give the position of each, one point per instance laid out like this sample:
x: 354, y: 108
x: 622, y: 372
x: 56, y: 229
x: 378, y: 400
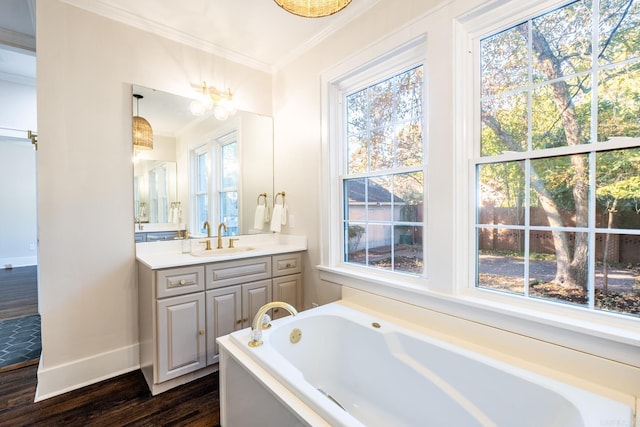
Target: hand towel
x: 258, y: 221
x: 285, y: 214
x: 276, y: 218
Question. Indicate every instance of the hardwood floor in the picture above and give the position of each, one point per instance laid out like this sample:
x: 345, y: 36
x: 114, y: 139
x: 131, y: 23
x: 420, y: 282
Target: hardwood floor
x: 121, y: 401
x: 18, y: 292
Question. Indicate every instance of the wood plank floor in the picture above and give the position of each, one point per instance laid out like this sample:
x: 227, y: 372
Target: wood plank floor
x: 18, y: 292
x: 121, y: 401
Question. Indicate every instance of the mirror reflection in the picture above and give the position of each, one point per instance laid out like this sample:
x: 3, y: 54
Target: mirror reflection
x: 201, y: 169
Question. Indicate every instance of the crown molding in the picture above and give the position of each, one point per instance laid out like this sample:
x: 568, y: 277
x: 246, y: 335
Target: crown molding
x: 161, y: 30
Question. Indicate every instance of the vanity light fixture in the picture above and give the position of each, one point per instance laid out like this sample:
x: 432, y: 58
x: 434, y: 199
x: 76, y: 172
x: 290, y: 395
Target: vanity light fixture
x: 142, y: 132
x: 210, y: 98
x: 313, y: 8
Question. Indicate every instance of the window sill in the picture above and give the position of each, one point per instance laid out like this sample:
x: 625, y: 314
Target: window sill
x: 600, y: 334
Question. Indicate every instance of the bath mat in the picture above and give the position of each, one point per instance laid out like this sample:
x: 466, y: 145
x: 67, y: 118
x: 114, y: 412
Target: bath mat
x: 19, y: 340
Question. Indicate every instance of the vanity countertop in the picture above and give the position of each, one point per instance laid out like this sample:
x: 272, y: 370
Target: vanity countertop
x: 168, y: 254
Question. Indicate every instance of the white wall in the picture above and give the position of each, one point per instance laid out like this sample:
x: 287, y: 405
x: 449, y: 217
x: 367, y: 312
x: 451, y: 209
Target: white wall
x: 85, y: 67
x: 17, y: 175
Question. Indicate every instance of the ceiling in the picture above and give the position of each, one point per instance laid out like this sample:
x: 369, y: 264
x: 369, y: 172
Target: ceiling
x: 256, y: 33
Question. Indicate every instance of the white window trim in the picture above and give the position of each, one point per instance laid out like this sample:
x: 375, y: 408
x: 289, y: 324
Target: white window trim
x: 610, y: 336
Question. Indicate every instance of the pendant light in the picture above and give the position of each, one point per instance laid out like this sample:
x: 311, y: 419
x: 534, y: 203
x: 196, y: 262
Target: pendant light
x: 313, y: 8
x: 142, y: 132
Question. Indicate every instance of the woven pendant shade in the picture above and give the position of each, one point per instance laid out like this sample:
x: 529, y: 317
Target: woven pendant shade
x: 142, y: 134
x: 313, y: 8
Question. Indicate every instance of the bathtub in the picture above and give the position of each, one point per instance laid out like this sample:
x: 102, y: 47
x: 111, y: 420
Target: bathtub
x: 350, y: 368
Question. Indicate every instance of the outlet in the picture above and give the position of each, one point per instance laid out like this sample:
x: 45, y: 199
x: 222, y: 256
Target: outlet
x: 291, y: 221
x: 32, y: 246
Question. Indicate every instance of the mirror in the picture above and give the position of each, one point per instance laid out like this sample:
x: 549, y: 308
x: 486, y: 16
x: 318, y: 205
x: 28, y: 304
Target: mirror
x: 162, y: 177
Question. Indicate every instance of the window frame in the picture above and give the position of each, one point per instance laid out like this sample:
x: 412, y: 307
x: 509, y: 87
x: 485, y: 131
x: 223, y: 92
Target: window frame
x: 595, y: 331
x: 382, y: 65
x: 591, y: 149
x: 213, y: 149
x: 451, y: 291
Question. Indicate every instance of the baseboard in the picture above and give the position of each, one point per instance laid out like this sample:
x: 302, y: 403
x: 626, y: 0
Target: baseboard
x: 24, y: 261
x: 56, y: 380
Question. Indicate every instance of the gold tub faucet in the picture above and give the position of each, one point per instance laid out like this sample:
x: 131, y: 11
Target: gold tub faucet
x: 258, y: 323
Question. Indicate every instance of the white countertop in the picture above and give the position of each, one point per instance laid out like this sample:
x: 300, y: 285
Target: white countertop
x: 167, y: 254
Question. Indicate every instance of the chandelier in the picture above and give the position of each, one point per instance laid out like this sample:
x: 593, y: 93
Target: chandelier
x: 313, y: 8
x: 210, y: 98
x: 142, y: 132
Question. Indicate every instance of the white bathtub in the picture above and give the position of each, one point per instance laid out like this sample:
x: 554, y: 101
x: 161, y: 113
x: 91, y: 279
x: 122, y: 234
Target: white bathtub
x: 352, y: 369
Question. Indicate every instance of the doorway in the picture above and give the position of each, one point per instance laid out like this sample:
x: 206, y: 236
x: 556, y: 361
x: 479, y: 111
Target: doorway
x: 19, y: 319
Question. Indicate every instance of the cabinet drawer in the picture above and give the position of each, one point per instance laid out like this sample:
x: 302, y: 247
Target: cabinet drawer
x: 235, y: 272
x: 287, y: 264
x: 179, y: 281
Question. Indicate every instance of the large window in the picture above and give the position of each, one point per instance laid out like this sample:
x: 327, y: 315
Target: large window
x: 215, y: 167
x: 558, y: 159
x: 383, y: 173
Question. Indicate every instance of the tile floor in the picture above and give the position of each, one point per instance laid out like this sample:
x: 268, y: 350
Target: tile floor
x: 19, y: 340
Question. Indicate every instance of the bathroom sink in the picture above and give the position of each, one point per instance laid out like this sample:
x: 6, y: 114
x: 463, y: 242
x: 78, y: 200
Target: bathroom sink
x: 223, y: 251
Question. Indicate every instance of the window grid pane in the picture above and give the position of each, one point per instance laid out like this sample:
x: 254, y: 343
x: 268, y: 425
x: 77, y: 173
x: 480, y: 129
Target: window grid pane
x: 557, y: 227
x: 383, y: 211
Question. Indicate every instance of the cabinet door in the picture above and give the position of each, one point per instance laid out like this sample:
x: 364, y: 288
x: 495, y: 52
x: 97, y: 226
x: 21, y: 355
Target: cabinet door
x: 181, y: 336
x: 287, y: 289
x: 254, y: 296
x: 224, y: 315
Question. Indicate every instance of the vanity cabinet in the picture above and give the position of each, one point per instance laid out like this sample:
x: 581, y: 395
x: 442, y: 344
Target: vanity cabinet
x: 181, y: 335
x: 232, y: 308
x: 235, y: 292
x: 287, y: 281
x: 155, y: 236
x: 183, y: 310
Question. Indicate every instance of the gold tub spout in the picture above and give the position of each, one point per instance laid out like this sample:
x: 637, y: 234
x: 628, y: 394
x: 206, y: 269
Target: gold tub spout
x: 257, y: 325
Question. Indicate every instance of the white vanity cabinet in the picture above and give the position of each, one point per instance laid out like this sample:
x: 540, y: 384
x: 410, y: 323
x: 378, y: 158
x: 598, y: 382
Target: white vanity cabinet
x: 171, y: 324
x: 184, y: 309
x: 287, y: 281
x: 235, y: 292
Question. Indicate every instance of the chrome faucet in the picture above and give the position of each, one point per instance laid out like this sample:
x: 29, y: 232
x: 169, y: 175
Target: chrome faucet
x: 222, y: 225
x: 259, y: 324
x: 139, y: 222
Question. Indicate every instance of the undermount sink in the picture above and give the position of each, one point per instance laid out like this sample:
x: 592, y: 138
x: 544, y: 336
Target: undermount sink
x: 223, y: 251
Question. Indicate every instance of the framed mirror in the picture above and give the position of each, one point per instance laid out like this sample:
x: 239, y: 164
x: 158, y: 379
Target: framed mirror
x: 169, y: 193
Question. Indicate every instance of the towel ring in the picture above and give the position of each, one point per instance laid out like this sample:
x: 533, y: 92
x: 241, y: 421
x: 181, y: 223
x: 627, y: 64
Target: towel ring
x: 265, y: 198
x: 275, y: 199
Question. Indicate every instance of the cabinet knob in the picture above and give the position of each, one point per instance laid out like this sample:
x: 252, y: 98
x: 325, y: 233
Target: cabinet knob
x: 275, y: 310
x: 245, y: 319
x: 201, y: 331
x: 183, y: 282
x: 239, y: 322
x: 288, y: 265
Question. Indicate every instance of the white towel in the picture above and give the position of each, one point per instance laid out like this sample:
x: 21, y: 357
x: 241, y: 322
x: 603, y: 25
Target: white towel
x: 285, y: 214
x: 276, y: 218
x: 258, y: 221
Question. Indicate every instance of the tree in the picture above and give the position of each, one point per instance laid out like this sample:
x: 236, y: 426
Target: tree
x: 561, y: 107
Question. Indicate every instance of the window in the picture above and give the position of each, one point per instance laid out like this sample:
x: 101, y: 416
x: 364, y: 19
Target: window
x: 215, y: 189
x: 557, y: 164
x: 201, y: 185
x: 228, y: 184
x: 382, y: 177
